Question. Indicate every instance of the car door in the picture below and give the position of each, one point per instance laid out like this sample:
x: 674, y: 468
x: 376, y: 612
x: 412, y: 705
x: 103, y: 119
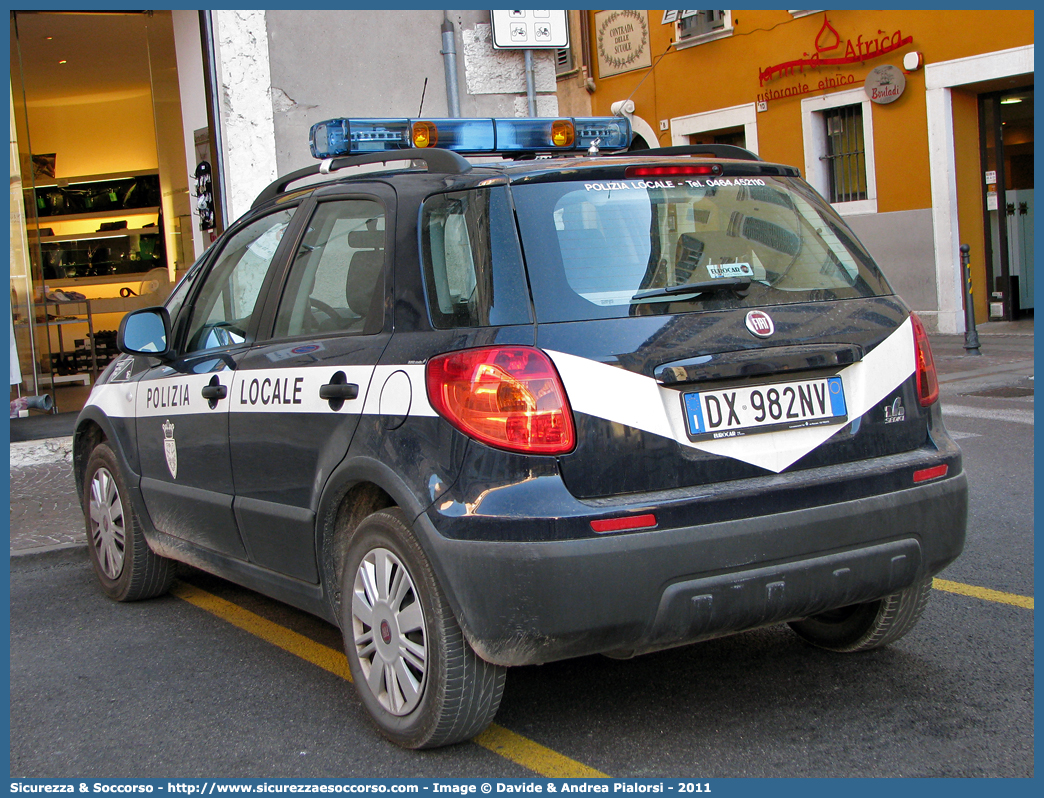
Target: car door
x: 297, y: 397
x: 181, y: 407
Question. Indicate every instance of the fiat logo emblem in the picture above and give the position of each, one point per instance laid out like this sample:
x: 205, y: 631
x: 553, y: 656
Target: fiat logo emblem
x: 760, y: 324
x: 385, y: 632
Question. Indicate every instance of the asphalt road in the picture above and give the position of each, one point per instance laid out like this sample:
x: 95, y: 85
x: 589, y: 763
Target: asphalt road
x: 163, y: 688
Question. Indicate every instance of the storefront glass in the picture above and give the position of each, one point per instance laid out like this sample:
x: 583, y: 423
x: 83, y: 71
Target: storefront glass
x: 1006, y: 134
x: 98, y: 141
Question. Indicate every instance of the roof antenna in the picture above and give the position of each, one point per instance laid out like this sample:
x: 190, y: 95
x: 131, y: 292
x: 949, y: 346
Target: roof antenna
x: 423, y: 91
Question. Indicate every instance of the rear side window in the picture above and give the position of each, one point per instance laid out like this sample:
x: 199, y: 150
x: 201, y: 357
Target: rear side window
x: 473, y: 270
x: 604, y: 249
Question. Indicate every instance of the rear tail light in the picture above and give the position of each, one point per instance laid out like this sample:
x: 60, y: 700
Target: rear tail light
x: 927, y: 378
x: 508, y: 397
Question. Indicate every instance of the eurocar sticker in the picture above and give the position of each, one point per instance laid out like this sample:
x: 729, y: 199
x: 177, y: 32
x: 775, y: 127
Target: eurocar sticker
x: 294, y: 351
x: 632, y: 399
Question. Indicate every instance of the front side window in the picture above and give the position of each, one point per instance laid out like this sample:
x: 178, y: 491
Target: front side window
x: 336, y: 282
x: 606, y: 249
x: 182, y: 289
x: 227, y: 301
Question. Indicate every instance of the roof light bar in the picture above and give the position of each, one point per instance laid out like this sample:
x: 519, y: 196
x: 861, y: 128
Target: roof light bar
x: 459, y: 135
x: 338, y: 137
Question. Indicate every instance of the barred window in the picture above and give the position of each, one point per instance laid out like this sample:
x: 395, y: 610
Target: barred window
x: 845, y: 153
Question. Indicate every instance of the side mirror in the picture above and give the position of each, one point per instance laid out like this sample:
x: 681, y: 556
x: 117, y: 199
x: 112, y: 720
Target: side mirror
x: 145, y: 332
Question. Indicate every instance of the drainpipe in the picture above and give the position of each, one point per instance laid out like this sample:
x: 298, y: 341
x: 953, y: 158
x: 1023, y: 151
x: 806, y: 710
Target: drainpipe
x: 213, y: 97
x: 449, y: 61
x: 530, y: 83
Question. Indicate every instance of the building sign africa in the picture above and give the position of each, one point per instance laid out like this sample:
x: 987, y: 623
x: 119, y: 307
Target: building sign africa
x: 830, y: 52
x: 623, y: 41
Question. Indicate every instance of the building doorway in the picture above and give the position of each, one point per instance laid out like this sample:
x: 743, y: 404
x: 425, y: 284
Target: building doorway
x: 1006, y: 142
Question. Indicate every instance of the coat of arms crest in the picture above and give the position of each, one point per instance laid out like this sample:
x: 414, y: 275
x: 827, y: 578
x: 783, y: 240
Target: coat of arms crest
x: 170, y: 448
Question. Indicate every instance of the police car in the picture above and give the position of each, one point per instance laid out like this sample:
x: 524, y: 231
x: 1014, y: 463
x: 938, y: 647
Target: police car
x: 508, y: 411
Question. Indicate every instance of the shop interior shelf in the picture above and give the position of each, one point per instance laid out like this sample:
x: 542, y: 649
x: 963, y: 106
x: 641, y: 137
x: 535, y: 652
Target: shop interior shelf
x: 100, y: 234
x: 109, y: 214
x: 68, y: 181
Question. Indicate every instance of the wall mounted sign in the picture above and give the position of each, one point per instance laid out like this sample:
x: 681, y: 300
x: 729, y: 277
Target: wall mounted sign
x: 829, y: 52
x: 838, y: 80
x: 884, y: 84
x: 623, y: 41
x: 530, y: 30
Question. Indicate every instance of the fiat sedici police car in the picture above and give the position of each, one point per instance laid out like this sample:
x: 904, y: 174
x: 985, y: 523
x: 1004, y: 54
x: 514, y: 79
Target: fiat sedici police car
x: 503, y: 412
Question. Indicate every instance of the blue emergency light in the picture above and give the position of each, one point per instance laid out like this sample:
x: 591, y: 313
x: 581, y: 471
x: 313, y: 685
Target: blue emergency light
x: 337, y: 137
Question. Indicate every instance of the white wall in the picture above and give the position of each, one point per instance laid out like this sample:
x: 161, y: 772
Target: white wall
x: 247, y: 128
x: 337, y: 62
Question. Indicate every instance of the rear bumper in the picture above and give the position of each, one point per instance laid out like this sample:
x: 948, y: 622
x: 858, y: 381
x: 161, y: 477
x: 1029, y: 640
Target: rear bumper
x: 529, y: 602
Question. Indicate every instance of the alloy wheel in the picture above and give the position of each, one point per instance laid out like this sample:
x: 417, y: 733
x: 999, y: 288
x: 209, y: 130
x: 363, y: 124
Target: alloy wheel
x: 389, y: 630
x: 108, y: 524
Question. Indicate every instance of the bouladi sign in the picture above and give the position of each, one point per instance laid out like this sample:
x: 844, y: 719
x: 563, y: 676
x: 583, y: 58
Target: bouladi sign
x: 885, y: 84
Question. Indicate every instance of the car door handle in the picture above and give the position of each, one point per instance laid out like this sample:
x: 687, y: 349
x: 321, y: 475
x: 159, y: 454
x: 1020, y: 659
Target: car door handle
x: 214, y: 391
x: 339, y: 390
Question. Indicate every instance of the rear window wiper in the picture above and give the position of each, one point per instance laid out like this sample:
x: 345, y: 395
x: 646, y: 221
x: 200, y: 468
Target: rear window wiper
x: 736, y: 284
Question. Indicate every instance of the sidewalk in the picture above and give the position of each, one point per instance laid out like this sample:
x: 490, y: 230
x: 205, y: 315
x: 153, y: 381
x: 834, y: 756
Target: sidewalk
x: 46, y: 515
x: 1006, y: 360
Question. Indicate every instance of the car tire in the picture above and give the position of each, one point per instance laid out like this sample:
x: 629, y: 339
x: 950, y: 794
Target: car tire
x: 126, y: 567
x: 862, y: 627
x: 418, y: 678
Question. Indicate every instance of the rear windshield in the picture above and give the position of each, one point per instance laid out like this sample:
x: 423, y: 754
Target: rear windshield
x: 605, y: 249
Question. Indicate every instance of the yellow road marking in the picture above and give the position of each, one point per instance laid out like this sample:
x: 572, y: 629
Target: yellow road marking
x: 304, y: 647
x: 533, y: 755
x: 983, y: 593
x: 497, y: 739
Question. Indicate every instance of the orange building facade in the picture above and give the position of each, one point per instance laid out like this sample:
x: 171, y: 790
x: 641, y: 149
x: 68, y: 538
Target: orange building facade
x: 916, y: 125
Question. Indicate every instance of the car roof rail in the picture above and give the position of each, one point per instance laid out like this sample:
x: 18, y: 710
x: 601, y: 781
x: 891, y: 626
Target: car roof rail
x: 713, y: 150
x: 437, y: 160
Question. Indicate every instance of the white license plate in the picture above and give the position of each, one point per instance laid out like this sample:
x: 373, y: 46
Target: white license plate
x: 731, y: 412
